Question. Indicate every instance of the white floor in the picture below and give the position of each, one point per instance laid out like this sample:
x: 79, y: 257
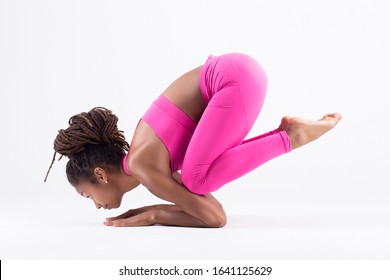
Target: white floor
x: 50, y: 228
x: 269, y: 237
x: 304, y: 205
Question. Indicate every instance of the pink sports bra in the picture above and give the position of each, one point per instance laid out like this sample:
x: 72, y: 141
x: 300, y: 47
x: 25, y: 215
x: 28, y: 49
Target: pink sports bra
x: 172, y: 126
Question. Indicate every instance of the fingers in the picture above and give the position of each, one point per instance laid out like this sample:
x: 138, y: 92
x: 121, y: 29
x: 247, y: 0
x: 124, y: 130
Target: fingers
x: 143, y: 219
x: 129, y: 222
x: 119, y: 223
x: 122, y: 216
x: 114, y: 218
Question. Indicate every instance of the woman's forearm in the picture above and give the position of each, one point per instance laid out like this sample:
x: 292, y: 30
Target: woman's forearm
x: 168, y: 217
x: 168, y: 207
x: 198, y: 210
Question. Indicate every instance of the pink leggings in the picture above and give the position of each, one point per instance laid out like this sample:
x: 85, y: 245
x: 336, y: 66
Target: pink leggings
x: 233, y: 86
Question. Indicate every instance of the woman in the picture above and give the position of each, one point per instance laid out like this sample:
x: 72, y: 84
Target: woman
x: 196, y: 126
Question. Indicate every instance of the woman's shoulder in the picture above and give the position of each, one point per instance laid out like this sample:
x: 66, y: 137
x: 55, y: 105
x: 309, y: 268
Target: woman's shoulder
x: 147, y: 149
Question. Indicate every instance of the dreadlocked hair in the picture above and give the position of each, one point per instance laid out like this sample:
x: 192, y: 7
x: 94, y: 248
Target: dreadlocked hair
x: 92, y: 139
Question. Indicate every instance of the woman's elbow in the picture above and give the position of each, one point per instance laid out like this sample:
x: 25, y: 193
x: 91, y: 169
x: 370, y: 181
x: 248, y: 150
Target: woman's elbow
x: 217, y: 221
x: 221, y: 223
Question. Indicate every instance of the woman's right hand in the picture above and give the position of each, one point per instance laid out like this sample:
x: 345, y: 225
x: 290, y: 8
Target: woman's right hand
x: 132, y: 212
x: 138, y: 211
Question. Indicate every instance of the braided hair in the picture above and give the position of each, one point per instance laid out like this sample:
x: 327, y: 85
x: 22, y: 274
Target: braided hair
x: 92, y: 139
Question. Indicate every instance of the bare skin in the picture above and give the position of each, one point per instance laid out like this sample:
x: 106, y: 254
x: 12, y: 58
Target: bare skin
x: 149, y: 164
x: 302, y: 131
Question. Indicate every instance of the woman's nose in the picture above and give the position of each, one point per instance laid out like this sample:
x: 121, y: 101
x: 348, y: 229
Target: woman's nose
x: 98, y: 206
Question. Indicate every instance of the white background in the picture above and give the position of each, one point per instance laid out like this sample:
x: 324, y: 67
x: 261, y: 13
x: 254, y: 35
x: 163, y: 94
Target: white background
x: 327, y: 200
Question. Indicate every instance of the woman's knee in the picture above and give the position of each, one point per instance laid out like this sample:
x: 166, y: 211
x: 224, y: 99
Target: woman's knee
x: 194, y: 185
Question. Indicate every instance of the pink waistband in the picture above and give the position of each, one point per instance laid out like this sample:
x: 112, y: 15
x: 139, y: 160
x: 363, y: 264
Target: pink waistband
x: 175, y: 113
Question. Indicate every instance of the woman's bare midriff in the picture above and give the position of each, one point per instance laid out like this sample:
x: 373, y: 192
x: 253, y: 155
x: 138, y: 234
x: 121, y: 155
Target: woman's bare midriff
x: 185, y: 93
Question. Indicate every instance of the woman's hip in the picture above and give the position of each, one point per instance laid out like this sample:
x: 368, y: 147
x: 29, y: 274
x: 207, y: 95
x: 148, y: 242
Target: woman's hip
x: 230, y: 70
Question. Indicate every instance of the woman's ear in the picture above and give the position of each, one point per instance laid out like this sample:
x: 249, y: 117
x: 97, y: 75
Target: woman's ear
x: 101, y: 175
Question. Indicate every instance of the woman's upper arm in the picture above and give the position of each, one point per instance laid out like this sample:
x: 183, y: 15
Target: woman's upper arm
x: 162, y: 185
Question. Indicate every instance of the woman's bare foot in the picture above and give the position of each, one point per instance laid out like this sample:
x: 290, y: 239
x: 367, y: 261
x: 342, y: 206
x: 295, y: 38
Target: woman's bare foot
x: 302, y: 131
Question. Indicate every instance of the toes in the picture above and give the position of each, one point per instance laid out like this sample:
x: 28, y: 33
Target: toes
x: 336, y: 116
x: 329, y: 115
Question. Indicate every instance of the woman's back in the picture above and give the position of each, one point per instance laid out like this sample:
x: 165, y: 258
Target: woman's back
x: 150, y: 141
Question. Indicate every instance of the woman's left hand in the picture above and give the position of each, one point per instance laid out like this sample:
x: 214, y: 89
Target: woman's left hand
x: 143, y: 219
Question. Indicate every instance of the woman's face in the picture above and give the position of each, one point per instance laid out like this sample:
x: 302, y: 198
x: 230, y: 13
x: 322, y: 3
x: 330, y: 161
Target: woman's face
x: 104, y: 195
